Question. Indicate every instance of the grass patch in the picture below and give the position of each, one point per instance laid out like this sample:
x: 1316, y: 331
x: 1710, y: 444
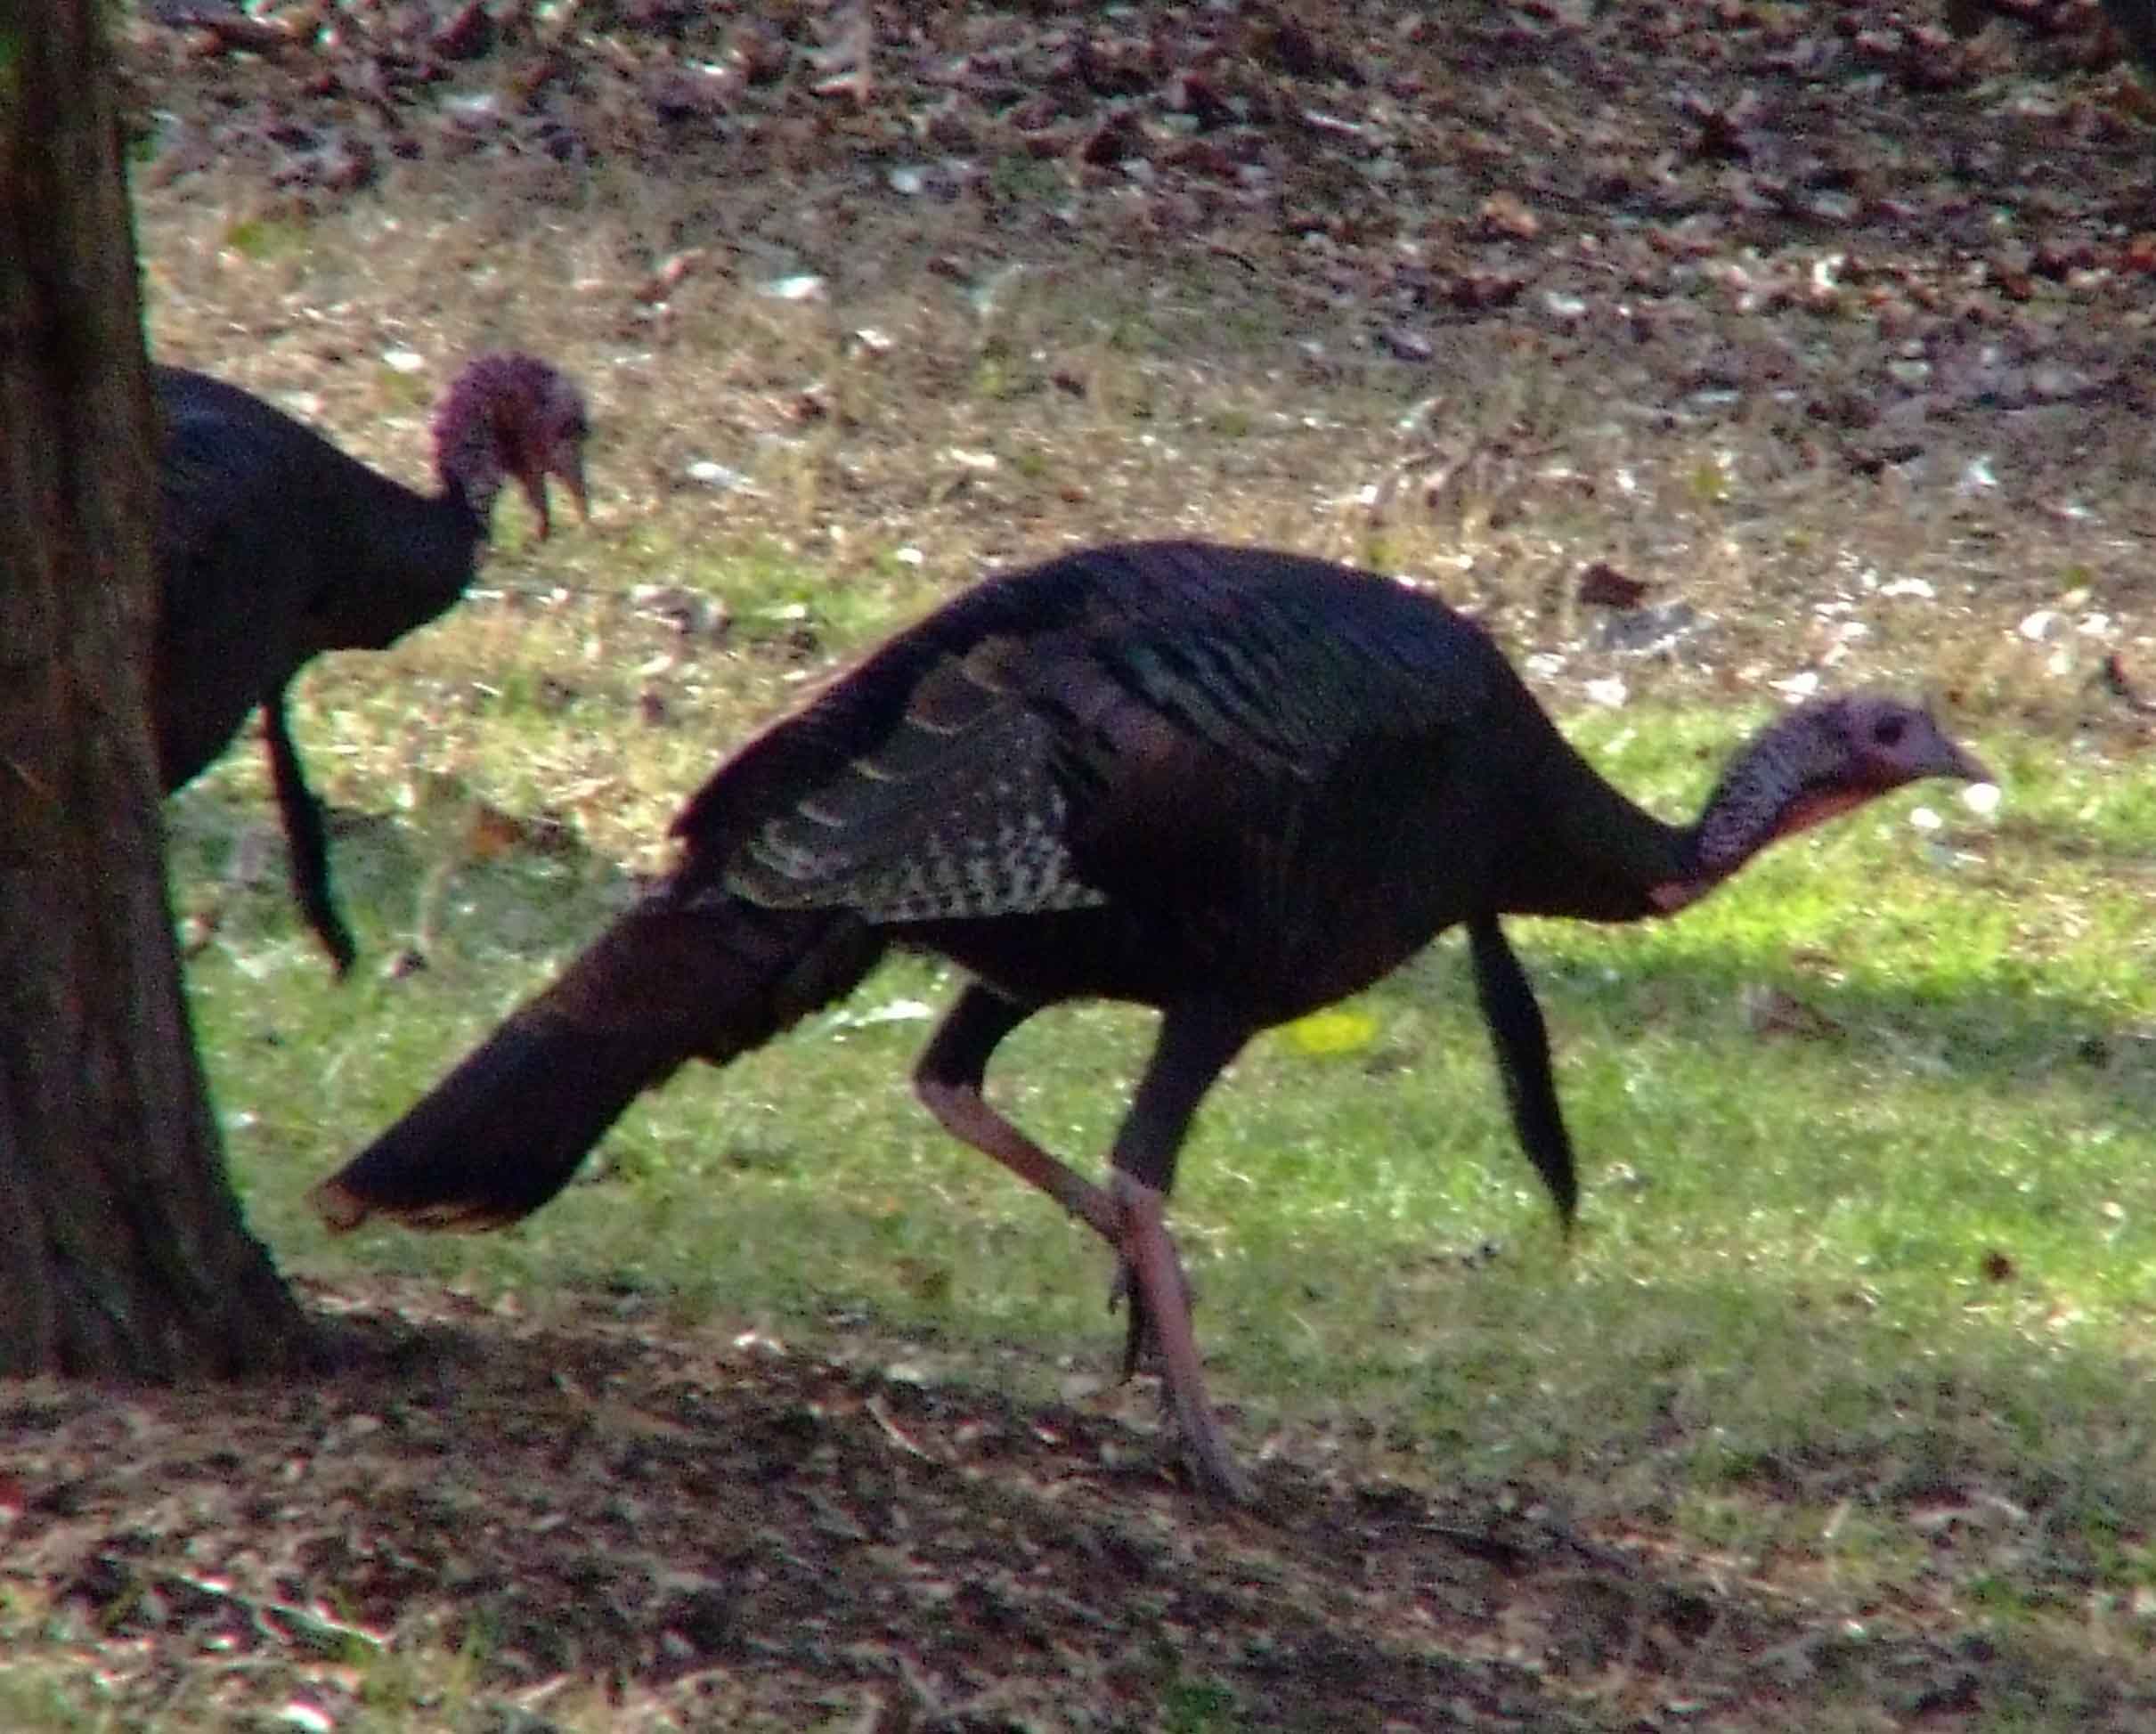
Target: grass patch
x: 1859, y: 1308
x: 1916, y: 1205
x: 1851, y: 1348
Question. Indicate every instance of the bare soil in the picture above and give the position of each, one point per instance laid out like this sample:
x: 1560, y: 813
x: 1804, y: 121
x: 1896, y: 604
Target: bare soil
x: 658, y: 1528
x: 1792, y: 286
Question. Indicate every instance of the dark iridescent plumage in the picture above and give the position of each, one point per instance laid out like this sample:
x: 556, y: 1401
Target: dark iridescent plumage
x: 1230, y: 783
x: 272, y: 546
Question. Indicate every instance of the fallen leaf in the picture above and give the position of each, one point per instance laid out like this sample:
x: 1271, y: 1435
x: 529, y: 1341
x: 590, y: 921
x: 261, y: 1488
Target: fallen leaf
x: 1773, y: 1011
x: 1603, y: 586
x: 2120, y: 684
x: 491, y: 832
x: 1504, y: 215
x: 1335, y: 1031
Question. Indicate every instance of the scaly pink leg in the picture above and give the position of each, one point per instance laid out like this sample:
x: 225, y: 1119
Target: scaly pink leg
x: 1148, y: 1253
x: 1129, y: 1214
x: 966, y: 1116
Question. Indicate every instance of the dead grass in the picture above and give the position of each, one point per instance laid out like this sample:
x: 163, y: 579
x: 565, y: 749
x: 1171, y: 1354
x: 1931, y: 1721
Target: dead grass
x: 861, y: 479
x: 576, y: 1521
x: 627, y: 1512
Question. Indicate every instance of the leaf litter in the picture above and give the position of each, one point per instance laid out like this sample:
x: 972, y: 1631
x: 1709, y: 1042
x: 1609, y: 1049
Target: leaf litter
x: 1830, y: 260
x: 709, y: 1530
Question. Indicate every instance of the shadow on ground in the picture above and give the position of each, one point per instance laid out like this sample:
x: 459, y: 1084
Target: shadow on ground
x: 723, y: 1533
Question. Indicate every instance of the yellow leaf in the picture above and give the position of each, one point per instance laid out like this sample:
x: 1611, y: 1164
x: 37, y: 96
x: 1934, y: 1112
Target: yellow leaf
x: 1333, y: 1031
x: 488, y: 831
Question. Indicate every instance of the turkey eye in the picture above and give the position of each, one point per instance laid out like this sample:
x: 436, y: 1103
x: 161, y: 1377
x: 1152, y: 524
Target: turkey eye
x: 1888, y: 731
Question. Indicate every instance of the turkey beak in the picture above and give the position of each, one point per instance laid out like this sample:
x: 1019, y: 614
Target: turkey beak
x: 566, y: 463
x: 533, y: 482
x: 1964, y: 764
x: 1925, y: 749
x: 1944, y: 756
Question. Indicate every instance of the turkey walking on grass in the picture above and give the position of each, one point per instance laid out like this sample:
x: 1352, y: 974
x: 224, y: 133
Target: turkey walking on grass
x: 1231, y: 784
x: 272, y: 546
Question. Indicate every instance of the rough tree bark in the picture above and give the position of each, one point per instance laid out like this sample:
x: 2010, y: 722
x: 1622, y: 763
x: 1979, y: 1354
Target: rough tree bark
x: 121, y: 1246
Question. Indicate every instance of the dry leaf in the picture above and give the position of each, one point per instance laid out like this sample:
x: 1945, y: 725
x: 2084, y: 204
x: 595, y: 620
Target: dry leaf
x: 1603, y: 586
x: 1771, y: 1011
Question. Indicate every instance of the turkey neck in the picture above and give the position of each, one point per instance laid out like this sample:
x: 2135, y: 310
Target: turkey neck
x: 1603, y: 858
x: 401, y: 558
x: 1579, y: 847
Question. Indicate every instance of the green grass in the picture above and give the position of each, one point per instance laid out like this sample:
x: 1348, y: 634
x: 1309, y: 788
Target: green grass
x: 1905, y: 1254
x: 1856, y: 1327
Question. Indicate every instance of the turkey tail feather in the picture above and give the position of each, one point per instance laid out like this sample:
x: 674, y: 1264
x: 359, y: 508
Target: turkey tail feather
x: 505, y: 1130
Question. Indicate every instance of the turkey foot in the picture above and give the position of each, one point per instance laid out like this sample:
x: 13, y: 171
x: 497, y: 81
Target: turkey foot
x: 1082, y: 781
x: 1160, y: 1303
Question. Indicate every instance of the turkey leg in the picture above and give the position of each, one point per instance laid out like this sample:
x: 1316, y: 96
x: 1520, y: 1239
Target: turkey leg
x: 948, y: 1080
x: 1193, y: 1048
x: 1130, y: 1214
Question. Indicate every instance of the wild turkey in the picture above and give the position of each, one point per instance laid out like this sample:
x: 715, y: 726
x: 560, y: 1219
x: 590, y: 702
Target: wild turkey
x: 1229, y: 784
x: 273, y: 546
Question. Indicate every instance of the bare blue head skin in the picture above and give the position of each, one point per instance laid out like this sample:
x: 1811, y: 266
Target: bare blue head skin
x: 1824, y: 758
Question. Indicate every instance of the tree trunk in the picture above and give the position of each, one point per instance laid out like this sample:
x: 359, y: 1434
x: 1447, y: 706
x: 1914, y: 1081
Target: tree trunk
x: 121, y: 1246
x: 2135, y: 22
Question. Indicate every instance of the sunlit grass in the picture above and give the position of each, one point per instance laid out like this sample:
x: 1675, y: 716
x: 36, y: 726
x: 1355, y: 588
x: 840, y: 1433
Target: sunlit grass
x: 1869, y: 1199
x: 1867, y: 1229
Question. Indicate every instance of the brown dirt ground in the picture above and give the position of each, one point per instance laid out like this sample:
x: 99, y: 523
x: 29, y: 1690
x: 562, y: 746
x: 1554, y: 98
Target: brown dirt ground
x: 1765, y: 306
x: 659, y: 1529
x: 1769, y: 227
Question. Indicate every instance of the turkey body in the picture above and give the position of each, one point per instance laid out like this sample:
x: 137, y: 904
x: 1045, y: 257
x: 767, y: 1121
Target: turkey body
x: 273, y: 546
x: 1245, y: 774
x: 1229, y: 784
